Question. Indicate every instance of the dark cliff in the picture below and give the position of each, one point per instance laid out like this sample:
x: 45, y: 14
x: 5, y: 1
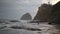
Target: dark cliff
x: 55, y: 14
x: 43, y: 12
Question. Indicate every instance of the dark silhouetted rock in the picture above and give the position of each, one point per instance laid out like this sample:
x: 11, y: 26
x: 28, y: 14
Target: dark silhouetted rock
x: 26, y: 16
x: 43, y: 13
x: 55, y: 14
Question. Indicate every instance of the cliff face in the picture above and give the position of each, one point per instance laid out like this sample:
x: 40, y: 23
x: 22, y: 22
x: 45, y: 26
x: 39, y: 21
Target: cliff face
x: 43, y: 12
x: 55, y: 14
x: 26, y: 16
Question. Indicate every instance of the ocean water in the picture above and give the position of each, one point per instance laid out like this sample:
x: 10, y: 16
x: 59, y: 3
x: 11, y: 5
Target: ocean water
x: 22, y: 27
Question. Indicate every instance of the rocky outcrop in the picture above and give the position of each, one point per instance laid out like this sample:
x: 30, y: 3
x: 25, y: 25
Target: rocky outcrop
x: 43, y: 13
x: 26, y: 16
x: 55, y: 14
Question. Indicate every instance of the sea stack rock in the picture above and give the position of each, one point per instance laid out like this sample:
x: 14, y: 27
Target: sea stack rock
x: 26, y: 16
x: 43, y: 12
x: 55, y: 14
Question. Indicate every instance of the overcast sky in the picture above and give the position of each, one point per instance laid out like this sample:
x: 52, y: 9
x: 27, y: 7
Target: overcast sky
x: 14, y: 9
